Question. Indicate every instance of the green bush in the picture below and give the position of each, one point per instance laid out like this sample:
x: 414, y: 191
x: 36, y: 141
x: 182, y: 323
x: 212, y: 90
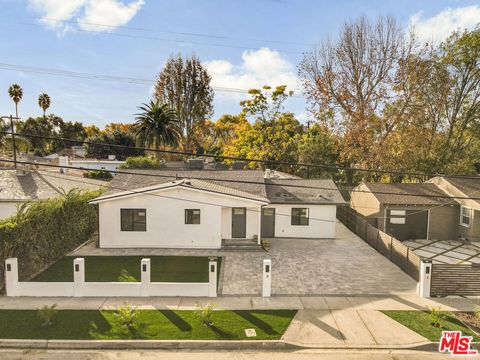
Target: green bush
x: 46, y: 314
x: 44, y: 231
x: 98, y: 175
x: 141, y: 162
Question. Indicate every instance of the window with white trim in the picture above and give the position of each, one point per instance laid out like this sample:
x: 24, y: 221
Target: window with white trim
x: 466, y: 216
x: 133, y: 219
x: 300, y: 216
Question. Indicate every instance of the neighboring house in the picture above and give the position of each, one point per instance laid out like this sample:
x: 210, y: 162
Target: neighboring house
x: 200, y: 208
x: 94, y: 164
x: 428, y: 213
x: 20, y: 186
x: 467, y: 221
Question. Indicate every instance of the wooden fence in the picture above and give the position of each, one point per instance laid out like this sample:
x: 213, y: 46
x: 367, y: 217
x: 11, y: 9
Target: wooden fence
x: 388, y: 246
x: 454, y: 279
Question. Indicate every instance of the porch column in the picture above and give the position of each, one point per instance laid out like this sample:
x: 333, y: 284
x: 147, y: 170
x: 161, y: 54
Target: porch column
x: 259, y: 237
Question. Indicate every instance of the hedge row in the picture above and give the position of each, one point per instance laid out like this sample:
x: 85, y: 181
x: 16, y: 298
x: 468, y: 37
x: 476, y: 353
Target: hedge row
x: 44, y: 231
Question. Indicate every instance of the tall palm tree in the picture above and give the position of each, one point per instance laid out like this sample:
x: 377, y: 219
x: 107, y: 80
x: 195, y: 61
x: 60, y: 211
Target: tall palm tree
x: 157, y: 125
x: 44, y: 102
x: 15, y: 92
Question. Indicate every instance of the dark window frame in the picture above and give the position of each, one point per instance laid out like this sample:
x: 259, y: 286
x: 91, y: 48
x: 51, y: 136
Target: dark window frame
x: 130, y: 219
x: 296, y: 219
x: 189, y: 219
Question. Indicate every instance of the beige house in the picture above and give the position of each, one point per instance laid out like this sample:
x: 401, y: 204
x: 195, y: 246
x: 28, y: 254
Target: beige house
x: 427, y: 213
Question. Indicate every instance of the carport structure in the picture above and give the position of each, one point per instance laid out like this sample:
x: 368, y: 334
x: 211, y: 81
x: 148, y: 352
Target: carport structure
x: 446, y: 251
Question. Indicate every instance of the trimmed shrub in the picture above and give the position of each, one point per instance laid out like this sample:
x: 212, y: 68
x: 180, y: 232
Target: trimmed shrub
x: 141, y: 162
x: 42, y: 232
x: 98, y: 175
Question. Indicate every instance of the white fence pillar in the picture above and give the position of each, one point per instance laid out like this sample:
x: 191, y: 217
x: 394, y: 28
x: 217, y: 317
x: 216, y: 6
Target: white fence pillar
x: 78, y: 276
x: 212, y: 278
x: 425, y: 281
x: 145, y: 276
x: 267, y: 278
x: 259, y: 238
x: 11, y: 276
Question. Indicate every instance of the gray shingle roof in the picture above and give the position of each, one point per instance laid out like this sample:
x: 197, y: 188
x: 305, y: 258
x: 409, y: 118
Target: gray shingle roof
x: 307, y: 191
x: 249, y: 181
x: 469, y: 186
x: 244, y: 183
x: 421, y: 194
x: 40, y: 185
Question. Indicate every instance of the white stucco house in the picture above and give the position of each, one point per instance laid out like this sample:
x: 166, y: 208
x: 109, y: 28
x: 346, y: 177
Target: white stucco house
x: 207, y: 209
x: 95, y: 164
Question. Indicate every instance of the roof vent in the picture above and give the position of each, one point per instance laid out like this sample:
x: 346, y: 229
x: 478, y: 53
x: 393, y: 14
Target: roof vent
x: 239, y: 165
x: 195, y: 164
x: 282, y: 194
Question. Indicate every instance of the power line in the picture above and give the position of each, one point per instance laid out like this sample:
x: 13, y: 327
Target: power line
x: 215, y: 36
x: 256, y: 160
x: 177, y: 177
x: 177, y: 41
x: 104, y: 77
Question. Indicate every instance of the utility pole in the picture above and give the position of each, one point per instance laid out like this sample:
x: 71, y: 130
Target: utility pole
x: 13, y: 137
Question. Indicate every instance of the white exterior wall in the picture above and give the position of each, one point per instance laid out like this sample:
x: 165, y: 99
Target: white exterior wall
x: 166, y: 226
x: 98, y: 165
x: 8, y: 209
x: 317, y: 227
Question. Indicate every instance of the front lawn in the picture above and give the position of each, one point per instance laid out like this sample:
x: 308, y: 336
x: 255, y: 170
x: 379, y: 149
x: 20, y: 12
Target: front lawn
x: 419, y: 321
x: 159, y: 325
x: 109, y: 268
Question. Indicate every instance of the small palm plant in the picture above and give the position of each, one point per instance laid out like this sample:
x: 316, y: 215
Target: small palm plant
x: 206, y: 313
x: 127, y: 316
x: 436, y: 316
x: 125, y: 276
x: 46, y: 314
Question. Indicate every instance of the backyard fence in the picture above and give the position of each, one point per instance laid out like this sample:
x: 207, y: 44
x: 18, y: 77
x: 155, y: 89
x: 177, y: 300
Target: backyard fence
x: 80, y: 288
x: 388, y: 246
x: 455, y: 279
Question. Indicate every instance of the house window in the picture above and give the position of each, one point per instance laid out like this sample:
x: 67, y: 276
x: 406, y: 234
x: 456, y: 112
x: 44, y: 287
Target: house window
x: 300, y: 216
x: 192, y: 216
x: 133, y: 219
x: 466, y: 216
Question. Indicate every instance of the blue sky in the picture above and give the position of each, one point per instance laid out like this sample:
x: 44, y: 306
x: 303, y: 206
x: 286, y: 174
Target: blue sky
x: 243, y: 43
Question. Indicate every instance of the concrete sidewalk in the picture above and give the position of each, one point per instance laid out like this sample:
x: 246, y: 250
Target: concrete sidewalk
x: 349, y: 328
x: 393, y: 302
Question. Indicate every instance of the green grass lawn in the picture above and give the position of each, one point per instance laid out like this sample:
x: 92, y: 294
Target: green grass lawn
x: 160, y: 324
x: 419, y: 321
x: 108, y: 268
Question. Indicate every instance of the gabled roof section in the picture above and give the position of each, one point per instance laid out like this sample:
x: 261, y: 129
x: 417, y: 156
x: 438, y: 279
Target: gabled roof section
x: 41, y: 185
x: 193, y: 184
x: 427, y: 194
x: 248, y: 181
x: 469, y: 186
x: 303, y: 191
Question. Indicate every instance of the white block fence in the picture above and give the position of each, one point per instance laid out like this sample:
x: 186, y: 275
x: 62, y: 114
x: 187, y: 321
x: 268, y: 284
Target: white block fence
x: 80, y: 288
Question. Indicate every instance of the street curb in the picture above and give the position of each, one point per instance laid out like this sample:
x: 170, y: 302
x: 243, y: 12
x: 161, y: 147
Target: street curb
x: 198, y: 344
x: 147, y: 344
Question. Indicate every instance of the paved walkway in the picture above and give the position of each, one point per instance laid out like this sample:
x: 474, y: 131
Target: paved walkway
x: 357, y: 328
x: 404, y: 302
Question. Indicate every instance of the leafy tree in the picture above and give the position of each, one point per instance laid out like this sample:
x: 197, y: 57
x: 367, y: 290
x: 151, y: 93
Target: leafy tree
x: 352, y: 80
x: 44, y: 102
x: 141, y: 162
x: 184, y: 84
x: 15, y: 92
x: 68, y: 130
x: 274, y: 135
x: 157, y: 126
x: 41, y: 126
x: 114, y: 135
x: 318, y: 145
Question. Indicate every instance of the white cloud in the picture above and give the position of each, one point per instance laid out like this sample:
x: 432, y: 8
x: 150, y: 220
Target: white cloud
x: 439, y: 26
x: 86, y: 13
x: 258, y: 68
